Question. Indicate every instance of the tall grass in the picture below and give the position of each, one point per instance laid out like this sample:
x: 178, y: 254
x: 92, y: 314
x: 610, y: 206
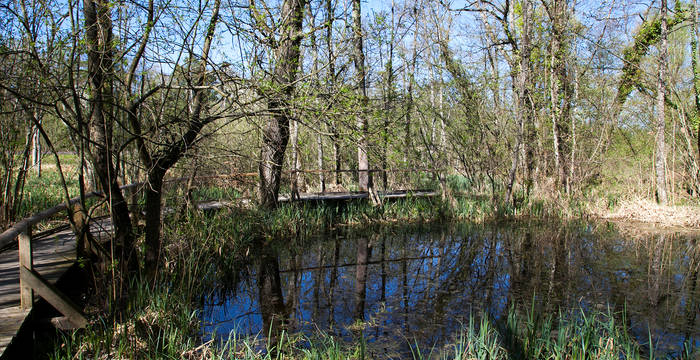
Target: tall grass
x: 166, y: 327
x: 527, y: 336
x: 45, y: 192
x: 201, y: 252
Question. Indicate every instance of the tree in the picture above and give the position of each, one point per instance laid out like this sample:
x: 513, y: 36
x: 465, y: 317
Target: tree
x: 279, y: 97
x: 408, y: 144
x: 694, y: 35
x: 170, y: 151
x: 660, y: 165
x: 389, y: 95
x: 561, y: 90
x: 330, y: 80
x: 100, y: 47
x: 364, y: 176
x: 521, y: 67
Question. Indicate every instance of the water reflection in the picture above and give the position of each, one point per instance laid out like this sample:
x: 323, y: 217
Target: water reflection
x: 271, y: 301
x: 422, y: 284
x: 364, y: 251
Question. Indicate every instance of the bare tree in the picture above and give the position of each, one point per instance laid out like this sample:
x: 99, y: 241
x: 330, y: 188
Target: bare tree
x: 560, y: 87
x: 695, y: 34
x: 522, y: 79
x: 100, y: 45
x: 159, y: 162
x: 660, y: 165
x: 330, y: 84
x: 365, y: 178
x: 276, y: 132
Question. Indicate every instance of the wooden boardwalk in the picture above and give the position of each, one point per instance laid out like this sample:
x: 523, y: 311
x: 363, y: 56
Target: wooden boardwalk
x: 341, y: 196
x: 55, y: 253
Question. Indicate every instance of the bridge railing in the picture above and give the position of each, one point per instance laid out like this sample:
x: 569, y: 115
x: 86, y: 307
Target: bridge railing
x: 383, y: 180
x: 30, y: 281
x: 21, y: 233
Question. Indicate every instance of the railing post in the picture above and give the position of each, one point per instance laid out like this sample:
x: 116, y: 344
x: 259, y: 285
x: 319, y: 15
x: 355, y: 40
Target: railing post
x: 26, y: 294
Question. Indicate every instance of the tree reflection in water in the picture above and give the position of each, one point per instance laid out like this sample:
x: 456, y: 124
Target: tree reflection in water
x: 271, y: 301
x: 423, y: 283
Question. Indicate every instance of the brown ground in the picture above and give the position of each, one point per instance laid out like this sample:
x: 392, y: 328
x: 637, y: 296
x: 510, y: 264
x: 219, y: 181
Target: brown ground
x: 649, y: 213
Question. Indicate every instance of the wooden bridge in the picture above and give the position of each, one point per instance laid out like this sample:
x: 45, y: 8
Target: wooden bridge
x: 32, y: 263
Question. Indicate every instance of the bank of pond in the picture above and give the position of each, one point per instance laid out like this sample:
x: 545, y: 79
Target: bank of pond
x: 436, y: 289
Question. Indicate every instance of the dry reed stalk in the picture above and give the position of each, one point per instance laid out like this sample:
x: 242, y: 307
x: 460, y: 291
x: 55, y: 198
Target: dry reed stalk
x: 646, y: 211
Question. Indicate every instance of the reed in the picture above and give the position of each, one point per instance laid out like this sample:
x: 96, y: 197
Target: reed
x: 165, y: 327
x: 203, y: 251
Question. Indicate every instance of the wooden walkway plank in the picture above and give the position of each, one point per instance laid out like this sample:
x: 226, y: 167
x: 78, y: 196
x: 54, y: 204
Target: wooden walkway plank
x: 359, y: 195
x: 52, y: 256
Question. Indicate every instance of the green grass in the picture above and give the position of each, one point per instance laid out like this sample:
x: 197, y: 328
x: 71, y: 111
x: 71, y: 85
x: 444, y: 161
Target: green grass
x: 45, y: 192
x: 526, y: 336
x: 213, y: 192
x: 41, y: 193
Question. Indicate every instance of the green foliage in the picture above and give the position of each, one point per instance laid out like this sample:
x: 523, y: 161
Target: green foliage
x: 164, y: 325
x: 161, y: 325
x: 459, y: 183
x: 575, y: 335
x: 647, y: 35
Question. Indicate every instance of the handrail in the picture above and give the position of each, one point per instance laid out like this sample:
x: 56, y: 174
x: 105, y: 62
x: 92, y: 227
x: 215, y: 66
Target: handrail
x: 10, y: 235
x: 31, y: 282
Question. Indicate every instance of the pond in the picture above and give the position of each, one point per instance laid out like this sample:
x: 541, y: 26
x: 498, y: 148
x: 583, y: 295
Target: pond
x: 420, y: 284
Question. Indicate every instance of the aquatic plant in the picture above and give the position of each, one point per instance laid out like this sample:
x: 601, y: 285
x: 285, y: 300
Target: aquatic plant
x: 204, y: 251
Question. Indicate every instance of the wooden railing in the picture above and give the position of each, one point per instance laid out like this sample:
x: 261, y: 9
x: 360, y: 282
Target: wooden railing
x: 30, y: 281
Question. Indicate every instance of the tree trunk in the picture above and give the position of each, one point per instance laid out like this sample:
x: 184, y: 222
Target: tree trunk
x: 319, y: 162
x: 36, y: 153
x: 330, y: 15
x: 522, y: 81
x: 316, y: 87
x: 695, y: 34
x: 160, y: 165
x: 576, y: 98
x: 364, y: 177
x: 275, y: 138
x: 660, y: 166
x: 388, y: 100
x: 295, y: 160
x: 14, y: 201
x: 408, y: 140
x: 84, y: 241
x: 153, y: 208
x: 98, y: 38
x: 553, y: 96
x: 336, y: 156
x: 560, y: 90
x: 528, y: 108
x: 276, y: 133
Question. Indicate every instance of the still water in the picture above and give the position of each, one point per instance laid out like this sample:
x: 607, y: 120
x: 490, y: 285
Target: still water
x: 420, y: 284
